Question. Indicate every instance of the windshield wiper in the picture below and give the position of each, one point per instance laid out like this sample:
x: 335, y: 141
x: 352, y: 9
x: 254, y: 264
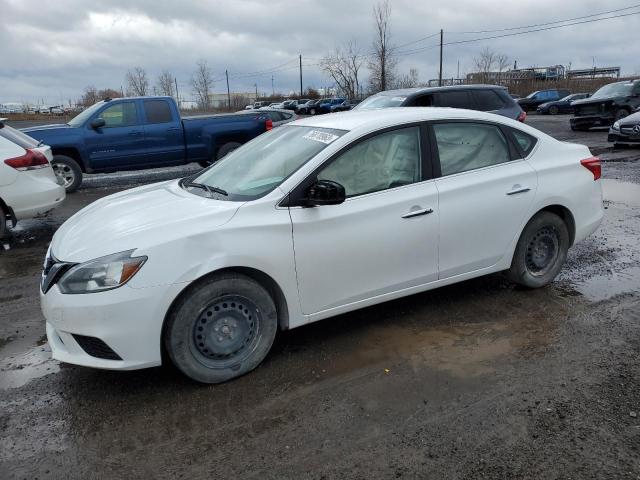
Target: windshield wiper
x: 211, y: 190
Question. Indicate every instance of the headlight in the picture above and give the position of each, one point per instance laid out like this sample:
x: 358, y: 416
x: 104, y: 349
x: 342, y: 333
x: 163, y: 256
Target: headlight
x: 105, y: 273
x: 616, y: 126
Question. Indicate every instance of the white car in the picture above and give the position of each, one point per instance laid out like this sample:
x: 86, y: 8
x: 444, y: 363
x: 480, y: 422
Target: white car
x: 278, y: 117
x: 28, y: 186
x: 319, y: 217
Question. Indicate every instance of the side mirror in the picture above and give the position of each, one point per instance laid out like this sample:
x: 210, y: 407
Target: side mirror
x: 97, y: 123
x: 324, y: 192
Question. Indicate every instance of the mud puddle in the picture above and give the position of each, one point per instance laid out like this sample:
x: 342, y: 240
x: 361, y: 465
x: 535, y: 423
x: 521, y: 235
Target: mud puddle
x: 19, y: 369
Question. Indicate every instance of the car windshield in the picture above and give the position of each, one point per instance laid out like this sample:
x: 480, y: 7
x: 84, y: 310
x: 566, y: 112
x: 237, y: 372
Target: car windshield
x: 614, y: 90
x: 85, y: 115
x: 380, y: 101
x: 259, y: 166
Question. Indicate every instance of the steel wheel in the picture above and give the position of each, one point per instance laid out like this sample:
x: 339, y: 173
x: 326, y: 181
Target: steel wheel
x: 64, y: 173
x: 226, y: 331
x: 542, y: 251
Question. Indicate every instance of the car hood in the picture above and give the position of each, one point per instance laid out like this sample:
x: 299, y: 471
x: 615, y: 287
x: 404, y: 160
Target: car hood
x: 591, y: 100
x: 138, y: 219
x: 632, y: 119
x: 46, y: 128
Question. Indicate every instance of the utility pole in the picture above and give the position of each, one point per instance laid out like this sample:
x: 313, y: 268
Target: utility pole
x: 458, y: 70
x: 273, y: 90
x: 440, y: 74
x: 226, y: 72
x: 175, y: 81
x: 301, y: 76
x: 256, y: 85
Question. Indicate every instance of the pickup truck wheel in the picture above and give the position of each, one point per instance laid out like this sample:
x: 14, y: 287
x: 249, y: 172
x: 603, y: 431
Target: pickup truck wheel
x: 221, y: 328
x: 3, y: 223
x: 541, y: 251
x: 621, y: 113
x: 67, y: 171
x: 226, y: 149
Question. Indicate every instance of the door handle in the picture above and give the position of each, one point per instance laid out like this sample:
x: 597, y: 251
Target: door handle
x: 417, y: 213
x: 518, y: 189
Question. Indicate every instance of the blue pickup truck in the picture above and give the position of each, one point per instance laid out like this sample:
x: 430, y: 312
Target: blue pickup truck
x: 141, y: 132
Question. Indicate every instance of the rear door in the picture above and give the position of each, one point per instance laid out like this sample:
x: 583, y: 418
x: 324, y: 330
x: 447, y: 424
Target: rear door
x: 484, y: 190
x: 163, y: 132
x: 121, y: 141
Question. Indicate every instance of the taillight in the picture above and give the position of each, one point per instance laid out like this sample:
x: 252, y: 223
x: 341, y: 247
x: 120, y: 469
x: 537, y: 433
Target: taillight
x: 593, y: 165
x: 268, y: 124
x: 522, y: 116
x: 32, y: 159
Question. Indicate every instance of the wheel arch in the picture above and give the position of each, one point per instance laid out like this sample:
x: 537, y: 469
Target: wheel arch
x: 259, y: 276
x: 70, y: 152
x: 565, y: 214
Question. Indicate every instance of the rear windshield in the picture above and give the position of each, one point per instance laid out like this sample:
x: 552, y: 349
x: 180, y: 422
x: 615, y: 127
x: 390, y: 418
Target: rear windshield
x: 380, y: 101
x: 17, y: 137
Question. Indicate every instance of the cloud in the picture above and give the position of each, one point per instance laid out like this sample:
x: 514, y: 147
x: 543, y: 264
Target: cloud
x: 52, y: 50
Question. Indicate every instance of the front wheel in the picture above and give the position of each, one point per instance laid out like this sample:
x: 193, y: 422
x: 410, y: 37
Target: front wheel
x: 221, y: 328
x: 541, y: 251
x: 312, y: 111
x: 67, y: 171
x: 554, y: 110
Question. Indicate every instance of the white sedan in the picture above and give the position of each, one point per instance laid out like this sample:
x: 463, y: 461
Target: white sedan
x: 319, y: 217
x: 28, y: 186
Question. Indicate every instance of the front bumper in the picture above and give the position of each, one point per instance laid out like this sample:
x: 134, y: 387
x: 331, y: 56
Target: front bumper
x: 591, y: 121
x: 128, y: 320
x: 616, y: 136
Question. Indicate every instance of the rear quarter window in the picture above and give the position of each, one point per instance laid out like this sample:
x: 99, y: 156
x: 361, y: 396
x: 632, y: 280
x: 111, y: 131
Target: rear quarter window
x: 524, y: 141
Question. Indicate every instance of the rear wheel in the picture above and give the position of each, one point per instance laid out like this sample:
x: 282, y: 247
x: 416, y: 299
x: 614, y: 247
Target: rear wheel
x: 67, y: 171
x: 3, y: 223
x: 221, y: 329
x: 222, y: 151
x: 541, y: 251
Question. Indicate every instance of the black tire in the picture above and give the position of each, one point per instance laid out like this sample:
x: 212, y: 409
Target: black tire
x: 68, y: 170
x: 621, y: 113
x: 221, y: 328
x: 312, y: 111
x: 541, y: 251
x: 554, y: 110
x: 3, y: 223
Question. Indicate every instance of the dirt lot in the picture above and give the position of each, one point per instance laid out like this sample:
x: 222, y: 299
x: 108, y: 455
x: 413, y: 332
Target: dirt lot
x: 476, y: 380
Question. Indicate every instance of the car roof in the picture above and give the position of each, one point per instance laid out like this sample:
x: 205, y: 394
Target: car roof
x: 388, y: 117
x: 411, y: 91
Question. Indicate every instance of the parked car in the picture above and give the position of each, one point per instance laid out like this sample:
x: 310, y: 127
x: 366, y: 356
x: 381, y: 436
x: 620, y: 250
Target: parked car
x: 561, y: 106
x: 277, y: 117
x: 609, y: 104
x: 626, y: 131
x: 342, y: 106
x: 486, y: 98
x: 275, y: 105
x: 56, y: 111
x: 205, y: 268
x: 141, y: 132
x: 531, y: 101
x: 324, y: 105
x: 260, y: 104
x: 290, y: 104
x: 28, y: 186
x: 305, y: 108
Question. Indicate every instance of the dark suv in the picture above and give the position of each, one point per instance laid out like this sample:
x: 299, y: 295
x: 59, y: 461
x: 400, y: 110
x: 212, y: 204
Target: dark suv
x: 531, y: 101
x: 486, y: 98
x: 609, y: 104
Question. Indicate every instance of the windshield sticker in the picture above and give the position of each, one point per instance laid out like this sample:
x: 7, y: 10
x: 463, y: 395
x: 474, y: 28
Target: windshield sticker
x: 319, y: 136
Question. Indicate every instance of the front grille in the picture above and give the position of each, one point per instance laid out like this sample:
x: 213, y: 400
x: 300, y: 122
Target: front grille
x: 588, y: 110
x: 96, y: 347
x: 52, y: 271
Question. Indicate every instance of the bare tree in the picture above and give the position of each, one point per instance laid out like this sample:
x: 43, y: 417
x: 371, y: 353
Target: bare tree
x: 137, y: 82
x: 503, y: 63
x: 409, y: 80
x: 383, y: 62
x: 165, y: 83
x: 343, y: 66
x: 202, y: 83
x: 484, y: 63
x: 89, y: 96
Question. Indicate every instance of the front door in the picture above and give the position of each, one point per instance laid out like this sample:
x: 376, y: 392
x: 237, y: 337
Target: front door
x: 484, y: 195
x: 120, y: 142
x: 383, y: 238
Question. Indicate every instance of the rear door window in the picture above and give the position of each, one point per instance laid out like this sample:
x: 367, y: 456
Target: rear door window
x: 157, y: 111
x: 464, y: 146
x: 488, y: 100
x: 423, y: 101
x: 454, y: 99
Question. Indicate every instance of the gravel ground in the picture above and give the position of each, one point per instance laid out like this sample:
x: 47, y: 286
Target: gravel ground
x: 475, y: 380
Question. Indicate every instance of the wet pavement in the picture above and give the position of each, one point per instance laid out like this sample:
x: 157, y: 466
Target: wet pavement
x: 475, y: 380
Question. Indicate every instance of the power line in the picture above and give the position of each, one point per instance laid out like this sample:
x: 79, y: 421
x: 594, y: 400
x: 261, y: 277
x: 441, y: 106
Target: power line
x: 549, y: 23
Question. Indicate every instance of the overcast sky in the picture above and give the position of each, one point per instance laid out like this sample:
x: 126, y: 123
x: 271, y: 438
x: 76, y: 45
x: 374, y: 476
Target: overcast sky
x: 51, y: 50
